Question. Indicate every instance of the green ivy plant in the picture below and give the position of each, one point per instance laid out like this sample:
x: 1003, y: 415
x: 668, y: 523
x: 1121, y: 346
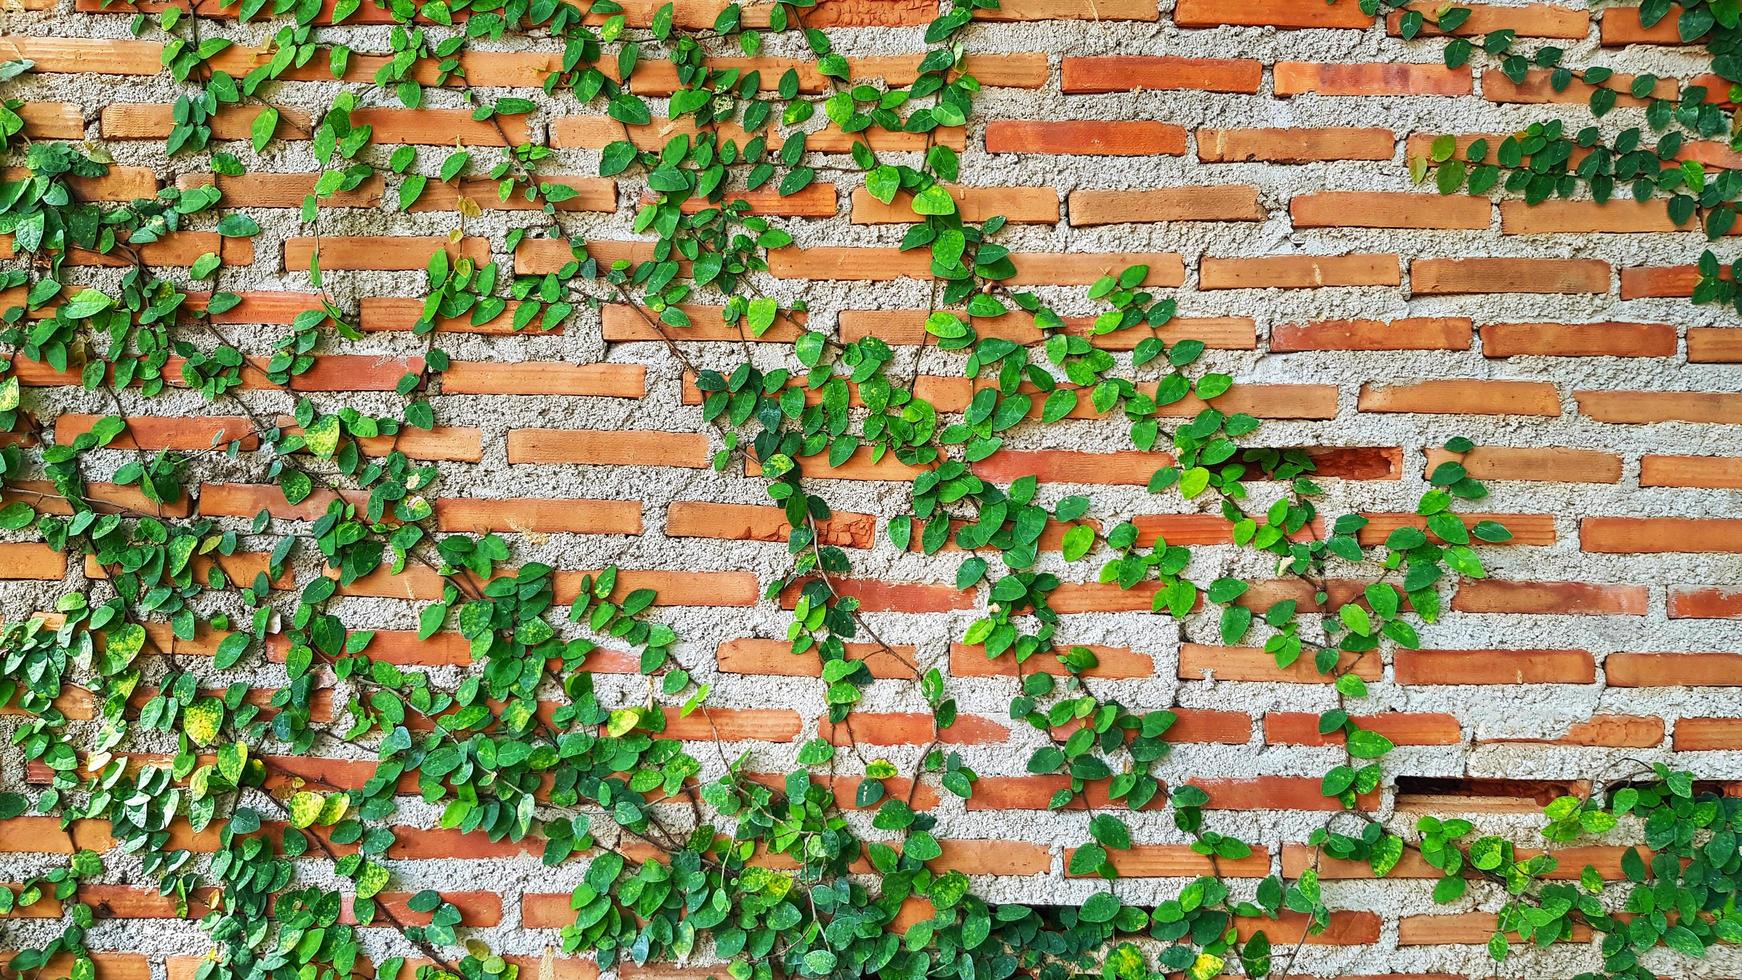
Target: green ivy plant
x: 675, y: 848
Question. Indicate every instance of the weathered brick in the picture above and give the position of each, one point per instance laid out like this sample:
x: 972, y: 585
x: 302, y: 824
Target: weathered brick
x: 604, y: 447
x: 1642, y: 407
x: 1419, y: 333
x: 1019, y: 205
x: 378, y: 252
x: 544, y: 378
x: 1086, y: 137
x: 1550, y: 598
x: 1608, y: 339
x: 1081, y: 76
x: 1305, y: 77
x: 1389, y: 209
x: 1452, y: 277
x: 757, y: 522
x: 1705, y: 603
x: 1714, y: 345
x: 1463, y: 398
x: 1673, y: 669
x: 1225, y: 202
x: 1299, y: 272
x: 1530, y: 20
x: 1272, y: 13
x: 1421, y: 667
x: 1295, y: 145
x: 1544, y: 465
x: 1714, y: 472
x: 1660, y: 535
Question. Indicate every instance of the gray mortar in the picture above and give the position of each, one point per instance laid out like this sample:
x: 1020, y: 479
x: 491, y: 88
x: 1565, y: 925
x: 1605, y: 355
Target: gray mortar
x: 1489, y: 712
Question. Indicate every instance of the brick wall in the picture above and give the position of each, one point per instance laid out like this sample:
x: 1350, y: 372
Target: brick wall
x: 1253, y: 155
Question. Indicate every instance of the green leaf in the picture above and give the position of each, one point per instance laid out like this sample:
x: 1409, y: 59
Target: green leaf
x: 265, y: 126
x: 305, y: 808
x: 238, y: 225
x: 934, y: 200
x: 87, y: 303
x: 1367, y: 744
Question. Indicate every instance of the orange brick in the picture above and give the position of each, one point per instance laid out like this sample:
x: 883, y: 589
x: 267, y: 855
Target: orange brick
x: 971, y: 661
x: 1302, y: 728
x: 1036, y: 793
x: 1127, y: 73
x: 903, y: 597
x: 600, y: 447
x: 1607, y: 339
x: 1714, y: 345
x: 1225, y: 202
x: 906, y: 328
x: 21, y: 560
x: 1674, y: 669
x: 1660, y: 535
x: 1462, y: 928
x: 1641, y: 407
x: 1715, y: 472
x: 378, y: 252
x: 1086, y: 137
x: 1015, y: 10
x: 1622, y: 26
x: 282, y: 190
x: 1274, y: 793
x: 1020, y: 205
x: 1544, y: 465
x: 1708, y: 734
x: 1532, y: 20
x: 1653, y: 282
x: 911, y: 728
x: 856, y: 264
x: 755, y: 522
x: 1423, y: 667
x: 596, y: 132
x: 1419, y: 333
x: 775, y: 657
x: 144, y: 432
x: 1299, y: 272
x: 1295, y: 145
x: 1023, y: 70
x: 141, y: 121
x: 1304, y: 77
x: 1198, y: 661
x: 1527, y: 529
x: 52, y: 120
x: 81, y: 56
x: 1271, y: 13
x: 1601, y: 731
x: 1180, y: 861
x: 622, y: 323
x: 1705, y: 604
x: 592, y: 194
x: 1550, y: 598
x: 1389, y: 209
x: 1537, y: 89
x: 1463, y: 398
x: 1620, y: 216
x: 544, y: 378
x: 539, y: 515
x: 119, y: 184
x: 179, y: 249
x: 1452, y: 277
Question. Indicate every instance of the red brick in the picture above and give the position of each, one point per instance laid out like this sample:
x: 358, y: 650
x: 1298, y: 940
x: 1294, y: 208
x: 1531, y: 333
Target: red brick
x: 1622, y: 25
x: 1180, y: 861
x: 1619, y: 217
x: 1527, y: 529
x: 145, y: 432
x: 903, y: 597
x: 1274, y: 793
x: 912, y: 728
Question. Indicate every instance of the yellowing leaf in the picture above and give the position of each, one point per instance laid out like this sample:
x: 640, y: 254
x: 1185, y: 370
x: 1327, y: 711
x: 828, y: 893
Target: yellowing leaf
x: 202, y: 720
x: 322, y: 437
x: 1207, y: 966
x: 622, y: 720
x: 305, y: 809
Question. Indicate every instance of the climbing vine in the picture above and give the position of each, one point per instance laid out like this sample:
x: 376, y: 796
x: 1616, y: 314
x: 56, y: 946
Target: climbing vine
x: 679, y: 851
